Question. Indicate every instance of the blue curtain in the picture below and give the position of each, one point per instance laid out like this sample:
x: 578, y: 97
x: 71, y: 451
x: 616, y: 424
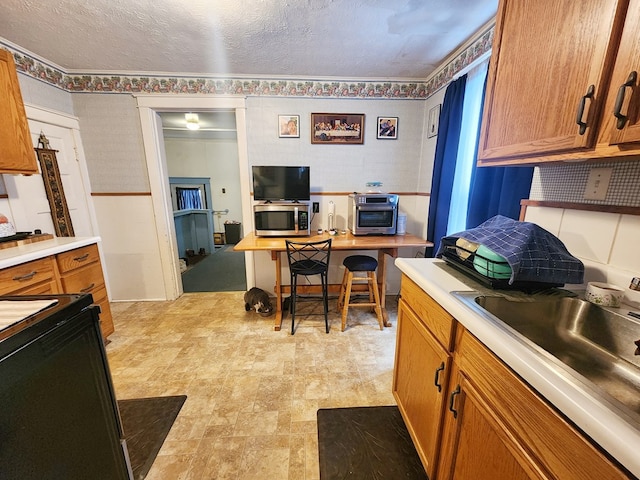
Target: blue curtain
x: 444, y: 166
x: 496, y: 190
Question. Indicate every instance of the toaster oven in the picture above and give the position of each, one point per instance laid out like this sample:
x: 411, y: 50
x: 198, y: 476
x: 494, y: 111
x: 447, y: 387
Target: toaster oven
x: 373, y: 213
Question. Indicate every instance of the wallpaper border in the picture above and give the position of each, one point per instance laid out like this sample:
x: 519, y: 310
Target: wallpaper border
x: 27, y: 64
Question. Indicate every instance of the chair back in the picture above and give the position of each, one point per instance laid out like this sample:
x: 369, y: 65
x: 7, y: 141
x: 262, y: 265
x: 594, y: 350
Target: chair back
x: 308, y: 258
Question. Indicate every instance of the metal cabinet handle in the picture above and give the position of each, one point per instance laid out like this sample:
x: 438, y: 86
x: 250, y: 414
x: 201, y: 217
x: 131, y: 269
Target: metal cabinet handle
x: 28, y: 276
x: 451, y: 401
x: 583, y: 102
x: 617, y: 109
x: 81, y: 258
x: 436, y: 381
x: 86, y: 289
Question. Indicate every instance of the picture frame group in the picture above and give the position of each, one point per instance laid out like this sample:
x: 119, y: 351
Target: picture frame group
x: 343, y: 128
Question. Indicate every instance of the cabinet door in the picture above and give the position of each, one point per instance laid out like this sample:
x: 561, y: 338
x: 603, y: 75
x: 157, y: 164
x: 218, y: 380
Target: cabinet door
x: 420, y: 383
x: 502, y: 428
x: 478, y: 446
x: 547, y: 58
x: 623, y: 105
x: 16, y: 151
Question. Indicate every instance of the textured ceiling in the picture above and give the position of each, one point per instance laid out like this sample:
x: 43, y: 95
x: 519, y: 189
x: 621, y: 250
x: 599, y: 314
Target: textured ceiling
x: 358, y: 39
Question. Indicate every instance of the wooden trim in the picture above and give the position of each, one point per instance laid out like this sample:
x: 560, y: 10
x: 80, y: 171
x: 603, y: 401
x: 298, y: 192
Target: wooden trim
x: 120, y: 194
x: 321, y: 194
x: 590, y: 207
x: 337, y: 194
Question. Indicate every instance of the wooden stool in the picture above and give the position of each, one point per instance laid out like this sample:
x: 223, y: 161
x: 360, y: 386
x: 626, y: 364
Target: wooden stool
x: 359, y: 263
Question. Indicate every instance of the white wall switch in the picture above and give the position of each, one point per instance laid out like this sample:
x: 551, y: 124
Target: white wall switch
x: 598, y: 183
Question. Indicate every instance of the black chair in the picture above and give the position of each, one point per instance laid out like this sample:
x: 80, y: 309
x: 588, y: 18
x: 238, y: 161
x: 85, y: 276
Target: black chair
x: 306, y: 259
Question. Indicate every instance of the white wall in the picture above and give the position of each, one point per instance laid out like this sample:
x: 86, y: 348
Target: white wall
x: 605, y: 242
x: 213, y: 158
x: 340, y: 168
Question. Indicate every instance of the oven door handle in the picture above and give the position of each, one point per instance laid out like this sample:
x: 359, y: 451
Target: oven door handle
x: 374, y: 208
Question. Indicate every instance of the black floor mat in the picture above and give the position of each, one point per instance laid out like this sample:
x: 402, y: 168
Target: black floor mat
x: 146, y: 423
x: 368, y: 443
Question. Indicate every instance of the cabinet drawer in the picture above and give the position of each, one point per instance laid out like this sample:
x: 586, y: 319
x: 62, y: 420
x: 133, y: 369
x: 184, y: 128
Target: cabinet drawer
x: 85, y: 280
x: 430, y: 313
x: 77, y: 258
x: 21, y: 277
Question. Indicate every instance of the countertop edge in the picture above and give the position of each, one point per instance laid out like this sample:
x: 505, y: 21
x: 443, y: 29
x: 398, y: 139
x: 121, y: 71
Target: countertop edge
x: 605, y: 427
x: 10, y: 257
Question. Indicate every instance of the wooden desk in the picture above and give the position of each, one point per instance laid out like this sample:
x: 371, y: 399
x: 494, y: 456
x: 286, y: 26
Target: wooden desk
x: 384, y: 244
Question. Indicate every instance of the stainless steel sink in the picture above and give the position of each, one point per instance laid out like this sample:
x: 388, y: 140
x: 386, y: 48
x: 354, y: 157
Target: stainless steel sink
x: 595, y: 342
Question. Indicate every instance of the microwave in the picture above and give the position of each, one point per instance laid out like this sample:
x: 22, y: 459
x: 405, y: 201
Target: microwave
x: 281, y: 219
x: 373, y: 213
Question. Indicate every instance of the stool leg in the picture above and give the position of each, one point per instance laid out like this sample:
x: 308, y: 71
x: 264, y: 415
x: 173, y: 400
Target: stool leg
x: 376, y: 295
x: 347, y: 300
x: 371, y: 288
x: 342, y: 289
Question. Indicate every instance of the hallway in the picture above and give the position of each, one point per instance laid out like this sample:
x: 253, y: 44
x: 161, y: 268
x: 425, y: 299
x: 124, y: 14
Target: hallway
x: 222, y: 271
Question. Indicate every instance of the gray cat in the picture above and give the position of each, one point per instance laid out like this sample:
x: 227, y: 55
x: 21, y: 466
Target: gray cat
x: 258, y: 299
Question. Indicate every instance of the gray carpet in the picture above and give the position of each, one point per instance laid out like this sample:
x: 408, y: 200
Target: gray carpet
x: 146, y: 423
x: 366, y: 443
x: 222, y: 271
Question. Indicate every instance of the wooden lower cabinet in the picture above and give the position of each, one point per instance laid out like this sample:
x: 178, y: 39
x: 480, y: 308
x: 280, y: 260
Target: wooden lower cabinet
x: 420, y: 384
x: 80, y: 271
x: 485, y: 422
x: 422, y: 363
x: 476, y: 444
x: 74, y: 271
x: 497, y: 427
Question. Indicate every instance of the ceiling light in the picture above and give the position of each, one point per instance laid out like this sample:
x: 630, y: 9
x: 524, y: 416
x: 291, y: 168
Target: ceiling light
x: 193, y: 123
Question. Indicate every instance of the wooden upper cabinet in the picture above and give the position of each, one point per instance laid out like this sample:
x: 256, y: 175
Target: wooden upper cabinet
x: 550, y: 68
x: 16, y: 150
x: 622, y: 123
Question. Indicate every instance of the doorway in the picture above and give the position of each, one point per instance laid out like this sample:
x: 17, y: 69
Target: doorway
x: 202, y: 163
x: 150, y: 108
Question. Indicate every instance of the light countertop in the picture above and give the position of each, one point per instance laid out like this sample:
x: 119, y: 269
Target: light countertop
x: 605, y: 426
x: 10, y: 257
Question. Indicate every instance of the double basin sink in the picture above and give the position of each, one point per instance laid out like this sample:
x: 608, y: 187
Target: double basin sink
x: 588, y: 342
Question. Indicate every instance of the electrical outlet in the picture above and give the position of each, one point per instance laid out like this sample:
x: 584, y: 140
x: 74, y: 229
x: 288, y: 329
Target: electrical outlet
x: 316, y: 207
x: 598, y: 183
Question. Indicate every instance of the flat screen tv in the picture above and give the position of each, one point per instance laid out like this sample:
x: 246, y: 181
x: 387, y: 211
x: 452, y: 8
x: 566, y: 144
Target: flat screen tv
x: 272, y: 183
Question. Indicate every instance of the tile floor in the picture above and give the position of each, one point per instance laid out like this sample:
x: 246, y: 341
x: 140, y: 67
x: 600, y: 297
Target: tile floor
x: 252, y: 392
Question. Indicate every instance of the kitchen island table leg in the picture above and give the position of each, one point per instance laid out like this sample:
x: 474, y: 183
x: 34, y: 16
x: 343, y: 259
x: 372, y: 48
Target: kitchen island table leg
x: 382, y: 284
x: 277, y: 258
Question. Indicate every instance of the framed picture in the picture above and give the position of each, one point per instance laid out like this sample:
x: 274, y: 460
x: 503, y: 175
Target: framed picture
x: 289, y: 126
x: 387, y: 128
x: 434, y: 119
x: 337, y: 128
